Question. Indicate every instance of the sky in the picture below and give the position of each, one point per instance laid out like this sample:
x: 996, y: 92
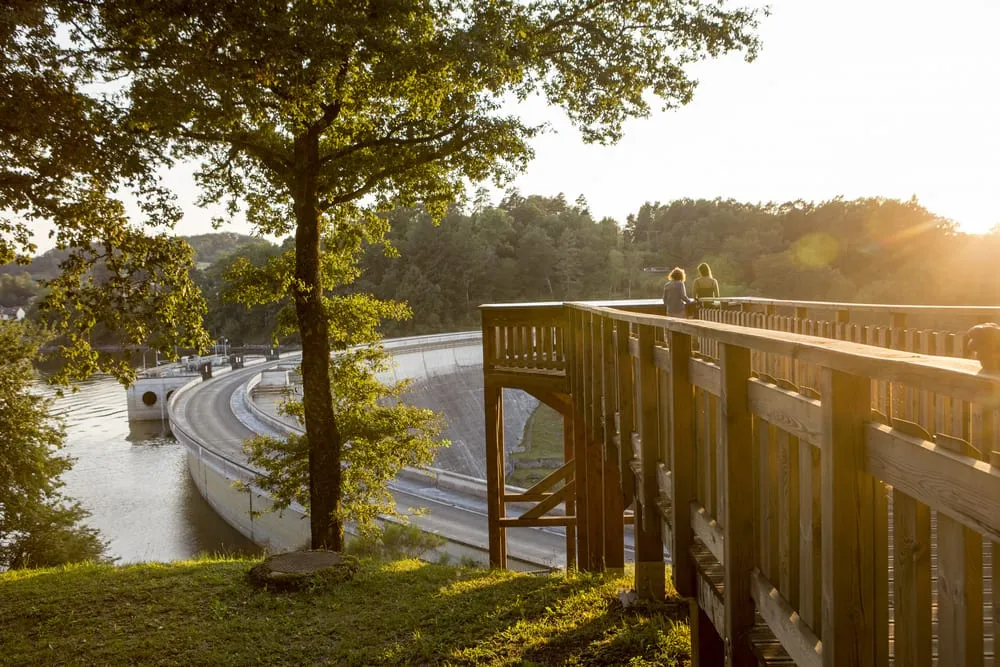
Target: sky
x: 856, y: 98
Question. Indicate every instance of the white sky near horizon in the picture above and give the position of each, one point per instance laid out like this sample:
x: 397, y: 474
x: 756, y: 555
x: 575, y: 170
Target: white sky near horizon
x: 858, y: 98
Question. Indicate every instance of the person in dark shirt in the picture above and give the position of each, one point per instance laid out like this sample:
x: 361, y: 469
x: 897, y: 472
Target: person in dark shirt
x: 675, y: 297
x: 705, y: 286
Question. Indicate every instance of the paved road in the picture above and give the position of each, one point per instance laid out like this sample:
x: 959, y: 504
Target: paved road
x: 206, y: 410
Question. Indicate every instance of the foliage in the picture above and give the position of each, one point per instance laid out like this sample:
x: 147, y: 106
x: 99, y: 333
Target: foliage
x: 381, y: 435
x: 313, y: 116
x: 39, y: 527
x: 64, y: 159
x: 395, y: 541
x: 400, y: 613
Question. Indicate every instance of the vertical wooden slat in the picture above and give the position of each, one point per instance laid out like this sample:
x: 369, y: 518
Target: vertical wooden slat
x: 880, y: 552
x: 810, y: 539
x: 848, y: 586
x: 595, y: 467
x: 681, y: 448
x: 738, y: 522
x: 626, y: 409
x: 579, y: 440
x: 650, y: 570
x: 568, y: 454
x: 717, y: 446
x: 495, y: 475
x: 995, y: 555
x: 911, y: 580
x: 788, y: 517
x: 545, y: 346
x: 959, y: 586
x: 768, y: 482
x: 613, y: 509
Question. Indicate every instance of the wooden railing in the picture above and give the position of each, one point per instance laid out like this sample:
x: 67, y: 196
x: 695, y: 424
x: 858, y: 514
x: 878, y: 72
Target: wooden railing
x: 824, y: 500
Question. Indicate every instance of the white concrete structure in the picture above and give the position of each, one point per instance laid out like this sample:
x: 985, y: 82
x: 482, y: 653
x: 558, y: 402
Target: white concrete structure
x: 147, y: 398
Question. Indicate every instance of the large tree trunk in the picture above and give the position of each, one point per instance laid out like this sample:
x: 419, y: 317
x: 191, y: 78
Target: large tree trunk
x: 317, y: 401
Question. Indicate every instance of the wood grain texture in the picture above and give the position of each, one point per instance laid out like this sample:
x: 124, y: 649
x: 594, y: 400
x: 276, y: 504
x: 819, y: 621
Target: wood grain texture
x: 738, y: 519
x: 848, y: 626
x: 797, y: 638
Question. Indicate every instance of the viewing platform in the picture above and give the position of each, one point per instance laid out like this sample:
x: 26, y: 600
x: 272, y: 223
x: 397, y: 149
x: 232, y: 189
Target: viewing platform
x: 825, y: 477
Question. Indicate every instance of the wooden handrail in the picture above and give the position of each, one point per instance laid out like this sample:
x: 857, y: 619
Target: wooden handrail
x: 779, y: 468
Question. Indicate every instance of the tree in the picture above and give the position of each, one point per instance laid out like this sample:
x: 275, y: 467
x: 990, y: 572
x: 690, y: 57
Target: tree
x: 382, y: 436
x: 315, y: 115
x: 39, y: 527
x: 63, y: 159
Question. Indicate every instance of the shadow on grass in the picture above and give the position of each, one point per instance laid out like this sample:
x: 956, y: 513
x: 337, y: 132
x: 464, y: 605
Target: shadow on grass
x: 407, y: 612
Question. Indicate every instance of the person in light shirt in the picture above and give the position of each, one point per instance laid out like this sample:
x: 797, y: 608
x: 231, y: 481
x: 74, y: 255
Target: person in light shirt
x: 675, y: 297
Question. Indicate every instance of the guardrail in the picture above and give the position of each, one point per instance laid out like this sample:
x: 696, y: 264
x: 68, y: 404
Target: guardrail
x: 814, y: 492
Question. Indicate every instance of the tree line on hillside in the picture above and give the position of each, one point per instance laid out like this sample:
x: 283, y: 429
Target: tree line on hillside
x: 536, y: 248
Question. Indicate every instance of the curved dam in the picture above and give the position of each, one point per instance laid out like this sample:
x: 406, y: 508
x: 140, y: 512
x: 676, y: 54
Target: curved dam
x: 447, y: 376
x: 213, y: 418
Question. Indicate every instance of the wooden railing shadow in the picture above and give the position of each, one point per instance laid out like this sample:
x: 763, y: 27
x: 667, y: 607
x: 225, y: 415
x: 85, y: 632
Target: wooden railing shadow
x: 827, y: 490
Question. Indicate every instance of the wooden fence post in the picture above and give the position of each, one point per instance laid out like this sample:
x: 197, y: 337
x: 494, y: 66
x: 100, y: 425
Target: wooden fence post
x: 614, y: 527
x: 682, y: 463
x: 739, y: 547
x: 495, y: 475
x: 848, y: 527
x: 650, y: 569
x: 595, y: 465
x: 576, y: 382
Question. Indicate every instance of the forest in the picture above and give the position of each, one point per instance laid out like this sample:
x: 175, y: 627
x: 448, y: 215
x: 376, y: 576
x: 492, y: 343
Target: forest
x: 535, y: 248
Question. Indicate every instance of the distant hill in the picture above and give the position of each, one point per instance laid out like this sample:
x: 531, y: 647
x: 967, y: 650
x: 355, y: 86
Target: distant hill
x: 210, y: 247
x: 207, y: 249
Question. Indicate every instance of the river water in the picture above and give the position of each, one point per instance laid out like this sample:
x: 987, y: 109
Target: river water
x: 133, y: 479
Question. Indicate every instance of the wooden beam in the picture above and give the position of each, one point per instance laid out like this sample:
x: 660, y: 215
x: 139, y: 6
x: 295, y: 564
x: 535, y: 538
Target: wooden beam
x: 960, y: 587
x: 959, y: 378
x: 624, y: 366
x: 848, y: 626
x: 563, y: 472
x: 682, y: 462
x: 650, y: 569
x: 911, y: 583
x: 706, y: 376
x: 708, y: 531
x: 549, y: 503
x: 964, y: 488
x: 738, y: 525
x: 795, y: 636
x: 539, y: 522
x: 788, y: 410
x: 612, y: 500
x: 495, y: 476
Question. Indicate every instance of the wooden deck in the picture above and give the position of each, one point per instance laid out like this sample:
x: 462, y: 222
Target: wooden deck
x: 845, y: 466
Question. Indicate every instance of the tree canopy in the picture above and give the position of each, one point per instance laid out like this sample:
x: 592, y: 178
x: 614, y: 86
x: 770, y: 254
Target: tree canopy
x: 309, y: 116
x: 39, y: 527
x: 65, y: 161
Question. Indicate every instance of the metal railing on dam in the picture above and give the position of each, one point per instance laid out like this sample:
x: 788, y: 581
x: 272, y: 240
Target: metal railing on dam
x: 825, y: 477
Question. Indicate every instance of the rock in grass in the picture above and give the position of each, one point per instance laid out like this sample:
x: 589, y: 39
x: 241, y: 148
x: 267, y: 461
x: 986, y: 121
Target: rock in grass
x: 297, y: 570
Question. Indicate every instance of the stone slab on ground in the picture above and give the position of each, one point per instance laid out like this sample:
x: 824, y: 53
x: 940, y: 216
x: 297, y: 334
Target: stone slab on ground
x: 296, y: 570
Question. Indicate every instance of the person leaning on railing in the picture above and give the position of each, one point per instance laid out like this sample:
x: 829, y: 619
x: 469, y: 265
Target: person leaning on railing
x: 705, y: 286
x: 675, y: 297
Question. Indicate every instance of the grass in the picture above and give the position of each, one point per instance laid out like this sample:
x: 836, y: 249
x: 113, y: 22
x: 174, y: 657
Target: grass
x: 399, y: 613
x: 543, y: 439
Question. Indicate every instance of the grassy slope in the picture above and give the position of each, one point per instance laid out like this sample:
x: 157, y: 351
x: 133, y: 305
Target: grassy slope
x: 407, y: 612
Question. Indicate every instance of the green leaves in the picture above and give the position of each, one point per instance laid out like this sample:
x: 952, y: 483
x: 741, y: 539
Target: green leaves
x: 38, y: 525
x: 381, y: 437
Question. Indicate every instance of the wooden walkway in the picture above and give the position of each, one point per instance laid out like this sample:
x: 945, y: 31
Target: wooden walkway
x: 839, y: 460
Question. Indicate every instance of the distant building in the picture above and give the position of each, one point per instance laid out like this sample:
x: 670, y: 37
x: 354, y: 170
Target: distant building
x: 11, y: 313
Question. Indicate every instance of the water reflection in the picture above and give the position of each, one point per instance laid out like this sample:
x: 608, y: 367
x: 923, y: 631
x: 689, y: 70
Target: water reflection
x: 133, y: 479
